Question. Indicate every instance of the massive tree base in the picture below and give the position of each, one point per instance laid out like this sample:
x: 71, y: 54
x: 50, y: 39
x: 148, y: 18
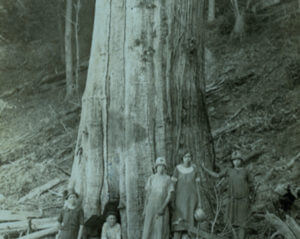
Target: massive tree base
x: 143, y: 99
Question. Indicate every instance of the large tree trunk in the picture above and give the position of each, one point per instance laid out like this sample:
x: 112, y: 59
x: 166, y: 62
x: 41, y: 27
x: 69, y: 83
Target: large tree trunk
x: 143, y: 99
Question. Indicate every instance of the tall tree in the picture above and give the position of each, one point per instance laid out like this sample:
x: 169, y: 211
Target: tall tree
x: 143, y: 99
x: 77, y: 45
x: 239, y: 25
x: 211, y: 10
x: 68, y: 50
x: 59, y: 11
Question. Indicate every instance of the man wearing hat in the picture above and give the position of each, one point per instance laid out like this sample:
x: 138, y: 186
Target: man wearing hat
x: 71, y: 218
x: 238, y: 208
x: 159, y: 188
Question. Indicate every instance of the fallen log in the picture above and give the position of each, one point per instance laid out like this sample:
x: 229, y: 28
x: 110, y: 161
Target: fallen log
x: 281, y: 227
x: 40, y: 234
x: 39, y: 190
x: 20, y: 226
x: 8, y: 216
x: 292, y: 224
x: 9, y: 93
x: 226, y: 129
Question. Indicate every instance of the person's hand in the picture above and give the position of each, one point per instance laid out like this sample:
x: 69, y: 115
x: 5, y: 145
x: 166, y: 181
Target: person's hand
x: 59, y: 226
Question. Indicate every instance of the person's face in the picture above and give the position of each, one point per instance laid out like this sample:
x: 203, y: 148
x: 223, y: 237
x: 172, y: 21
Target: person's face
x: 111, y: 220
x: 237, y: 162
x: 187, y: 159
x: 72, y: 199
x: 160, y: 169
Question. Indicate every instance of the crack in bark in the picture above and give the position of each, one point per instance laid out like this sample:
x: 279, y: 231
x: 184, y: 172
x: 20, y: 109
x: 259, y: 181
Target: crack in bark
x: 107, y: 101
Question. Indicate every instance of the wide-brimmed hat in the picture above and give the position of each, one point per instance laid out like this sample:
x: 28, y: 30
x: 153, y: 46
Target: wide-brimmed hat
x: 160, y: 161
x: 236, y: 155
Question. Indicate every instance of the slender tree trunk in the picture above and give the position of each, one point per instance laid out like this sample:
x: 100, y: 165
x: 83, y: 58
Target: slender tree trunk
x: 206, y: 136
x: 68, y: 50
x: 143, y: 99
x: 211, y: 10
x: 60, y: 31
x: 77, y: 47
x: 239, y: 25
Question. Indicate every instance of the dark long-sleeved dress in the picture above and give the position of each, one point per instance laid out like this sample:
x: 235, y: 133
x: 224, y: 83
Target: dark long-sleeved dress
x: 238, y: 207
x: 71, y: 219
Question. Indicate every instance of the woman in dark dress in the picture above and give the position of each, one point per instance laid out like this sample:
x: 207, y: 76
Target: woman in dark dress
x: 71, y: 218
x: 238, y: 208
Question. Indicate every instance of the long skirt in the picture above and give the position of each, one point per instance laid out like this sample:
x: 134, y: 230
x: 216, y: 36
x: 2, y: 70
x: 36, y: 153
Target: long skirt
x: 238, y: 211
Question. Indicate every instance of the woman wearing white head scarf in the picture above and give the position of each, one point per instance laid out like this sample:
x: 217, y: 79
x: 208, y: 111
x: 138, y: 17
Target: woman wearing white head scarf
x: 159, y: 188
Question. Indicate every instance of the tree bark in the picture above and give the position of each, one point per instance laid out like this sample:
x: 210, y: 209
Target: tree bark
x: 143, y: 99
x: 68, y: 50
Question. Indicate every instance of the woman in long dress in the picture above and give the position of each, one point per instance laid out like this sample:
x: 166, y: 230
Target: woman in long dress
x: 187, y: 196
x: 238, y: 208
x: 159, y: 190
x: 71, y: 218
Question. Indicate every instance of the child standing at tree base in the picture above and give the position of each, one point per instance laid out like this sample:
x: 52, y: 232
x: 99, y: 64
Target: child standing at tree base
x: 111, y: 229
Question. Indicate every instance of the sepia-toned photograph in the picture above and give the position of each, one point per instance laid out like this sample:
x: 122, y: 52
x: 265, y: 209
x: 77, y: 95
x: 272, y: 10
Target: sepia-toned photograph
x: 150, y: 119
